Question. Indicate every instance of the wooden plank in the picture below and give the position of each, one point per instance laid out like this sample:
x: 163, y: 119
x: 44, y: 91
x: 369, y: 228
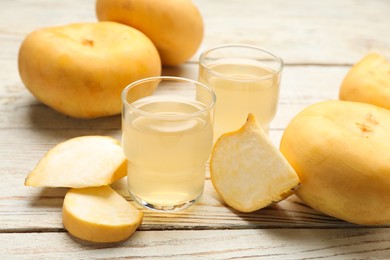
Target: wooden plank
x: 207, y: 244
x: 38, y: 210
x: 302, y: 31
x: 301, y: 86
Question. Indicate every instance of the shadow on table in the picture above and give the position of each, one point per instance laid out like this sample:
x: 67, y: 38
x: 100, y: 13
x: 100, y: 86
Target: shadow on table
x: 50, y: 122
x: 49, y: 198
x: 290, y: 213
x: 300, y: 232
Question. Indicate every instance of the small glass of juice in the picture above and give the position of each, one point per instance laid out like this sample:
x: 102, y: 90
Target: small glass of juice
x: 167, y: 137
x: 245, y: 79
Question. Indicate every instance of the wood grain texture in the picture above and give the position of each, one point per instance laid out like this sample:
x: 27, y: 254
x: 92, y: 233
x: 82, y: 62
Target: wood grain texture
x: 302, y: 32
x: 39, y: 209
x: 318, y: 40
x: 207, y: 244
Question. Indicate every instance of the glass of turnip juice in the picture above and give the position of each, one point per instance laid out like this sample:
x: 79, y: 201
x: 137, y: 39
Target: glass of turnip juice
x: 245, y: 79
x: 167, y: 137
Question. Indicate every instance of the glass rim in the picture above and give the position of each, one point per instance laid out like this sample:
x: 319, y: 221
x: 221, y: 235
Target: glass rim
x: 167, y: 117
x: 277, y: 58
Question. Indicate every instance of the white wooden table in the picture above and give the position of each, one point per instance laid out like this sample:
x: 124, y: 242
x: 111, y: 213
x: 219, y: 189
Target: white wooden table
x: 318, y: 40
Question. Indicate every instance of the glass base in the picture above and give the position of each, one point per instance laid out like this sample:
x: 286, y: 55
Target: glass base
x: 164, y: 208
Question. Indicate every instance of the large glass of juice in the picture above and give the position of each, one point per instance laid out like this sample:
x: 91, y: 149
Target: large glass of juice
x: 167, y: 136
x: 245, y: 80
